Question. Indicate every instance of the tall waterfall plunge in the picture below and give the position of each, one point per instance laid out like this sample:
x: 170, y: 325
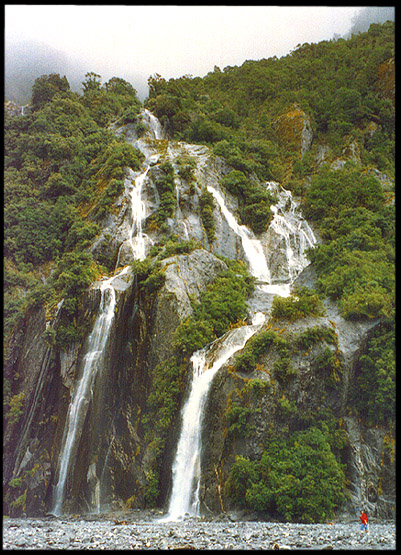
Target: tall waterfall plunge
x: 186, y: 469
x: 92, y: 364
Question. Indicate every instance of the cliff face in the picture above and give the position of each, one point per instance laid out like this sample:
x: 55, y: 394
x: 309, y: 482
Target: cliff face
x: 368, y: 453
x: 113, y: 455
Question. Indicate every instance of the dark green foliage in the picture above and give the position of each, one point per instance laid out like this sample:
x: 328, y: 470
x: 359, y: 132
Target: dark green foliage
x: 373, y: 395
x: 152, y: 488
x: 336, y: 82
x: 332, y: 191
x: 327, y: 367
x: 114, y: 101
x: 301, y: 303
x: 74, y: 273
x: 186, y: 168
x: 314, y: 335
x: 36, y: 233
x: 237, y: 418
x: 46, y: 87
x: 206, y: 131
x: 356, y: 263
x: 111, y: 193
x: 149, y: 274
x: 283, y: 369
x: 59, y: 165
x: 254, y: 348
x: 166, y: 188
x: 297, y: 479
x: 173, y: 246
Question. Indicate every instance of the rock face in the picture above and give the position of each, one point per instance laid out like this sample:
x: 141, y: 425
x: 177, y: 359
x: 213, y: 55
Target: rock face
x: 368, y: 448
x: 114, y: 457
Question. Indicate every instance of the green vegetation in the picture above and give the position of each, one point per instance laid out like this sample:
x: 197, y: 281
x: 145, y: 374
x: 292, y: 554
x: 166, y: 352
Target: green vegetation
x: 355, y: 265
x: 149, y: 274
x: 343, y: 87
x: 336, y: 82
x: 15, y: 407
x: 314, y: 335
x: 62, y: 172
x: 298, y: 478
x: 258, y: 344
x: 222, y: 305
x: 64, y: 169
x: 373, y: 395
x: 301, y: 303
x: 254, y: 200
x: 166, y: 188
x: 207, y: 206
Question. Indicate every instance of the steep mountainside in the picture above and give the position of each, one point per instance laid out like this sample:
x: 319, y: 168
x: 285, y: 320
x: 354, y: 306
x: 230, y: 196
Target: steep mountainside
x: 214, y: 285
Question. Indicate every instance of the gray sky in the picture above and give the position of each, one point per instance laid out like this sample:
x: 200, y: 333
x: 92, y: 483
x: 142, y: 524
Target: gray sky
x: 173, y: 40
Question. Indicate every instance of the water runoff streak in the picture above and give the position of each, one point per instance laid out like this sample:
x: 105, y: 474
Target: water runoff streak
x: 145, y: 144
x: 137, y: 237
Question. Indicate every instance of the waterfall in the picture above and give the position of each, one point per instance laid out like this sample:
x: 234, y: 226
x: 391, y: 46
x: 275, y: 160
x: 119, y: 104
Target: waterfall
x: 294, y: 231
x: 94, y: 358
x: 252, y: 247
x: 153, y: 124
x: 82, y: 394
x: 186, y: 468
x: 290, y: 226
x: 137, y: 238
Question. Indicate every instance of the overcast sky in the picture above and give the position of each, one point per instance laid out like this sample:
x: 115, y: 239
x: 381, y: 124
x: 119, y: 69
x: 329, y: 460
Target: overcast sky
x: 173, y: 40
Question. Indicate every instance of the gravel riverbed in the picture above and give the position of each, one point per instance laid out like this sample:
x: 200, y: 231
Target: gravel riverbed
x: 139, y: 530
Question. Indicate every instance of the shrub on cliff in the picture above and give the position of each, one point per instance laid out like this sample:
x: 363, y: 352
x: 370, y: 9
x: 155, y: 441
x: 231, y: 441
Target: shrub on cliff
x: 221, y: 306
x: 303, y: 302
x: 296, y: 479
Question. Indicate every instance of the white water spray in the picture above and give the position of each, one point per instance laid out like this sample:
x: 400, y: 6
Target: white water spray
x: 206, y: 362
x: 138, y: 208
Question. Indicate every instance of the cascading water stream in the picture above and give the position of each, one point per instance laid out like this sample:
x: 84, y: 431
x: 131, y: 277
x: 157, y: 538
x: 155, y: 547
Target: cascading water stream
x: 252, y: 247
x: 137, y: 238
x: 186, y: 469
x: 206, y: 362
x: 92, y: 363
x: 94, y: 358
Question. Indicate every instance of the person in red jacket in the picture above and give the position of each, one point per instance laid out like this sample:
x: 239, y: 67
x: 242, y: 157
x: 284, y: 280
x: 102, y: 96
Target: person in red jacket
x: 364, y: 521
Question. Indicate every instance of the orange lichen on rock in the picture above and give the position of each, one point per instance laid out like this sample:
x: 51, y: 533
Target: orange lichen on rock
x: 293, y: 129
x: 386, y: 81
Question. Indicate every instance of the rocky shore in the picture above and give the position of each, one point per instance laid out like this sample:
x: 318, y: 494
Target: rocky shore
x: 141, y: 530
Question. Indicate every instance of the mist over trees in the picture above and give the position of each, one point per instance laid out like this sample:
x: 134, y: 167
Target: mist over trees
x: 372, y: 14
x: 27, y: 60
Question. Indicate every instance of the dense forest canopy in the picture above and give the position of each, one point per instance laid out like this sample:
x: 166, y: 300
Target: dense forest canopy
x: 64, y: 167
